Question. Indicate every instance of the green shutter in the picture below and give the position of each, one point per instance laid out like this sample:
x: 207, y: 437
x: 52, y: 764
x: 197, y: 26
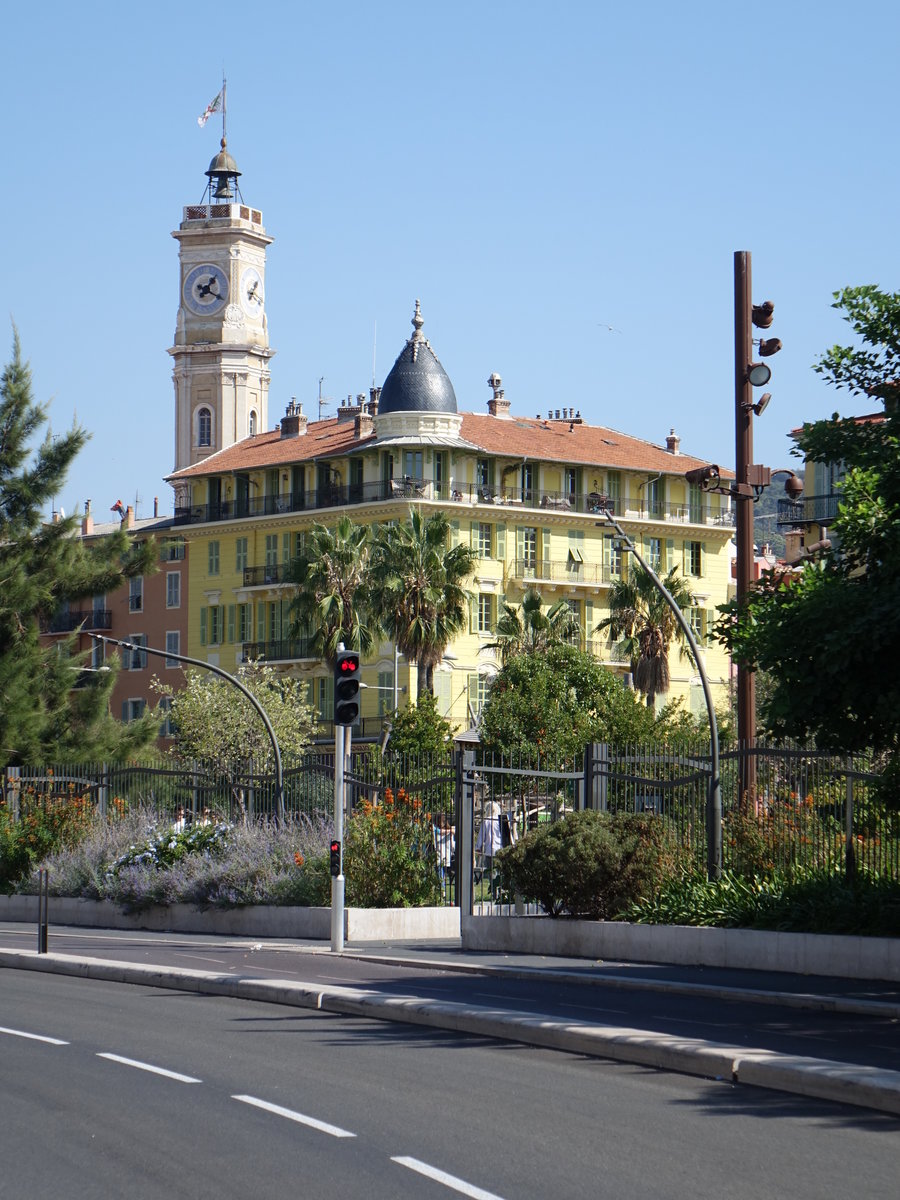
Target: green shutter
x: 231, y: 622
x: 473, y: 614
x: 520, y: 543
x: 260, y: 620
x: 473, y: 536
x: 588, y: 623
x: 454, y: 533
x: 501, y: 543
x: 472, y: 682
x: 203, y: 620
x: 670, y: 555
x: 545, y: 545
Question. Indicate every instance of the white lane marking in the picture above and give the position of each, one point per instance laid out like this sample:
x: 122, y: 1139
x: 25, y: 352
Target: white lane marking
x: 204, y: 958
x: 142, y: 1066
x: 35, y: 1037
x: 450, y: 1181
x: 301, y: 1118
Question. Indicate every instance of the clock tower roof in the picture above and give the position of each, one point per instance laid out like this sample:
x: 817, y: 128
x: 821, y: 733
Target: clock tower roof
x: 223, y: 175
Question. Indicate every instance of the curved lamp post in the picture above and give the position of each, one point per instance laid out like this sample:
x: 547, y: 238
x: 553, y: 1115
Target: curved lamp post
x: 714, y: 794
x: 197, y: 662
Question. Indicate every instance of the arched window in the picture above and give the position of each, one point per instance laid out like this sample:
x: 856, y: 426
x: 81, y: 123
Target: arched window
x: 253, y: 422
x: 204, y: 427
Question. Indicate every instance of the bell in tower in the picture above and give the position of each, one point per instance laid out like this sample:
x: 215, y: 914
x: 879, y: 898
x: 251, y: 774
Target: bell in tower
x: 223, y: 176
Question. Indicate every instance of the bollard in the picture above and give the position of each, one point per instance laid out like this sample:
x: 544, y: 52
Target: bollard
x: 43, y: 905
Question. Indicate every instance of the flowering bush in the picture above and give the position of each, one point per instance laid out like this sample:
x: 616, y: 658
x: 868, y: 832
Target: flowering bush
x: 164, y: 847
x: 785, y: 834
x: 389, y: 854
x: 48, y: 817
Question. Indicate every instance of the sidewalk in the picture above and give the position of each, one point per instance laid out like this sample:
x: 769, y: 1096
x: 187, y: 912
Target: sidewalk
x: 762, y: 1023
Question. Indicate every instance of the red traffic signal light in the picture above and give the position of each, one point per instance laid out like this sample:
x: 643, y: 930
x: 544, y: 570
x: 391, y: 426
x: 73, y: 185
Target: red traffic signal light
x: 346, y: 688
x: 335, y: 858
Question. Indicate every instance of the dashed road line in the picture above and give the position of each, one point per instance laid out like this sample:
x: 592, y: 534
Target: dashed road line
x: 450, y: 1181
x: 34, y: 1037
x: 142, y: 1066
x: 300, y: 1118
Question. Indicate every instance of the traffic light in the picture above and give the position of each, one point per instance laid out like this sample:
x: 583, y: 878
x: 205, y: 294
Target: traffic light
x: 335, y: 858
x: 346, y: 688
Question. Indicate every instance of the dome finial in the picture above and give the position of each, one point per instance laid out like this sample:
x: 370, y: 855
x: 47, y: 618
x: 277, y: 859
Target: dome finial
x: 417, y: 322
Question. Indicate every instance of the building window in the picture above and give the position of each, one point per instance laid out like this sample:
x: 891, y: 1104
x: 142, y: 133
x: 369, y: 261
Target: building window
x: 654, y: 553
x: 385, y: 692
x: 204, y: 427
x: 173, y: 589
x: 245, y: 622
x: 136, y: 659
x: 693, y: 558
x: 253, y: 422
x: 483, y: 540
x: 527, y: 483
x: 484, y: 473
x: 485, y: 621
x: 654, y: 500
x: 172, y: 550
x: 696, y: 618
x: 528, y: 547
x: 213, y: 558
x: 240, y: 555
x: 173, y: 646
x: 167, y: 729
x: 695, y: 504
x: 136, y: 594
x: 133, y: 710
x: 216, y: 625
x: 98, y: 650
x: 412, y: 464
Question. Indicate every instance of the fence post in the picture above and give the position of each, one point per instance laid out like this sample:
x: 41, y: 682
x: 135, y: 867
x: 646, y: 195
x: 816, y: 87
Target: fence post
x: 596, y: 776
x: 103, y: 790
x: 464, y: 761
x: 850, y: 868
x: 13, y: 790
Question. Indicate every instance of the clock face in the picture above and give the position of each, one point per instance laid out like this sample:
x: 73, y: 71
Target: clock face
x: 205, y: 289
x: 252, y: 292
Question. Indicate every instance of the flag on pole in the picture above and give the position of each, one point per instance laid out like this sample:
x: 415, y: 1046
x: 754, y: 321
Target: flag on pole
x: 213, y: 106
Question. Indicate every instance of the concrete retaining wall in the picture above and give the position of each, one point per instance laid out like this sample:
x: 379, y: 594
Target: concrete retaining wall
x: 360, y: 924
x: 751, y: 949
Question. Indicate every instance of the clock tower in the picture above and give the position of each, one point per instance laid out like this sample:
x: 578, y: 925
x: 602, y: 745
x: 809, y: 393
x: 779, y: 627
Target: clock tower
x: 221, y: 352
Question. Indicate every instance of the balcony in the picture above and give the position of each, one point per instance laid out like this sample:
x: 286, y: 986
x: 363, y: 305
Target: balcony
x: 565, y: 571
x: 808, y: 510
x: 68, y: 622
x: 278, y: 651
x: 266, y: 576
x: 335, y: 495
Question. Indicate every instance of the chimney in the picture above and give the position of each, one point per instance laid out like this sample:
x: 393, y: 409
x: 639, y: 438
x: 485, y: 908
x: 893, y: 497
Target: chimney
x: 156, y: 506
x: 673, y: 441
x: 374, y: 393
x: 294, y: 421
x: 87, y: 521
x: 128, y: 523
x: 349, y: 411
x: 498, y: 405
x: 363, y: 424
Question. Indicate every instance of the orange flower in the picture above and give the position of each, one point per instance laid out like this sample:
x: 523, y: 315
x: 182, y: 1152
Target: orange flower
x: 298, y: 858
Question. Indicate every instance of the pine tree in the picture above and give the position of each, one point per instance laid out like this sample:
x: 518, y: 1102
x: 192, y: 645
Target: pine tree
x: 48, y: 710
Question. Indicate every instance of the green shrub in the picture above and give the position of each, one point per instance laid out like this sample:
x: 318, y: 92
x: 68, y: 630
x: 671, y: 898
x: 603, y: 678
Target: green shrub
x: 590, y: 863
x: 389, y: 854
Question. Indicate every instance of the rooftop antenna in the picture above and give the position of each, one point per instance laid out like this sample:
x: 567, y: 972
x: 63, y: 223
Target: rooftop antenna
x: 323, y: 401
x: 374, y: 347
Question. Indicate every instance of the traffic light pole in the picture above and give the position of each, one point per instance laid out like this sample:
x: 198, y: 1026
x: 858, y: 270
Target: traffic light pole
x: 743, y: 503
x: 337, y: 881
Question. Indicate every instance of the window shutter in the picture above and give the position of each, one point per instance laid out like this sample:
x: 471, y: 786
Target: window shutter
x: 285, y: 548
x: 474, y: 536
x: 231, y: 622
x: 261, y: 621
x: 520, y: 543
x: 472, y: 681
x: 702, y: 559
x: 454, y: 533
x: 588, y: 624
x: 710, y: 622
x: 204, y: 616
x: 670, y: 555
x: 473, y: 614
x: 545, y: 545
x: 501, y: 543
x: 125, y: 712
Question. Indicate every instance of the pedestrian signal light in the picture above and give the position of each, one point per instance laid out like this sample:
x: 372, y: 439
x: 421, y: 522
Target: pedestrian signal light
x: 346, y: 688
x: 335, y: 858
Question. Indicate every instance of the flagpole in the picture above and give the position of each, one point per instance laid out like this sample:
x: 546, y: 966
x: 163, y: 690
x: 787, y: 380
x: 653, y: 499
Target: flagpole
x: 224, y: 106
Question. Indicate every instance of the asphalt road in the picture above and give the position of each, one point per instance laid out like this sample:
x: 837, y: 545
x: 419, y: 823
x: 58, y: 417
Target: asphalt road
x: 866, y: 1039
x: 148, y: 1093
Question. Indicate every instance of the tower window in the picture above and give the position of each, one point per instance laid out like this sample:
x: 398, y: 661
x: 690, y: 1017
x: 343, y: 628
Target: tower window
x: 204, y: 427
x: 253, y: 422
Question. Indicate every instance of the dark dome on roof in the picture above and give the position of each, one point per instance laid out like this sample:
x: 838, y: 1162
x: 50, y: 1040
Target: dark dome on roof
x: 417, y: 382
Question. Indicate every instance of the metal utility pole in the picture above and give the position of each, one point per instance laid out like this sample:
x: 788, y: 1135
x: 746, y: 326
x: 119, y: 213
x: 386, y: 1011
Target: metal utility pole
x: 743, y: 505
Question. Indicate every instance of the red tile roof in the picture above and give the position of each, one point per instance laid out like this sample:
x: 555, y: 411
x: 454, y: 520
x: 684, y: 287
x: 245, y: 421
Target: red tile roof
x: 551, y: 441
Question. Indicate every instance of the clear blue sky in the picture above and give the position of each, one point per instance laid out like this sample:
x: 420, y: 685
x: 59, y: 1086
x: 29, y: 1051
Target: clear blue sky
x: 534, y: 172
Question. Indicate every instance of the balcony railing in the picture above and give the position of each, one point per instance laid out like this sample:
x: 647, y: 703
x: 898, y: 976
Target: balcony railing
x: 69, y: 621
x: 563, y: 571
x: 277, y: 651
x: 260, y: 576
x: 335, y: 495
x: 809, y: 510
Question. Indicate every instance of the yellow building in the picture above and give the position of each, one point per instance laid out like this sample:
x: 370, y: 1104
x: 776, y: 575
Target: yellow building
x: 525, y: 492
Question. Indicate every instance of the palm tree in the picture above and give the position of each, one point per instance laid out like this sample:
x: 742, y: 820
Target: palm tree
x: 332, y: 603
x: 418, y: 589
x: 640, y: 616
x: 531, y: 630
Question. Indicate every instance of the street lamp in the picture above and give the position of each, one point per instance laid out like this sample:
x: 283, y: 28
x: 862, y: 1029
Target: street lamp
x: 198, y: 662
x: 714, y: 793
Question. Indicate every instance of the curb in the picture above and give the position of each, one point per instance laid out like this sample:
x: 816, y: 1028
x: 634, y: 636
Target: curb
x: 823, y: 1079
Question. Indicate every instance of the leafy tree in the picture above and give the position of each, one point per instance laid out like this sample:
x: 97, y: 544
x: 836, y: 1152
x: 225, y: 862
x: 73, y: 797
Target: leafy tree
x: 530, y: 630
x: 830, y: 635
x: 419, y: 730
x: 217, y: 727
x: 44, y: 716
x: 333, y: 597
x: 553, y: 704
x: 418, y: 589
x: 640, y: 616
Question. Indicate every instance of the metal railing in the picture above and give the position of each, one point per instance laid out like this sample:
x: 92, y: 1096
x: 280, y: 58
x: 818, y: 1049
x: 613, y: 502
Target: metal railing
x: 809, y: 510
x: 278, y: 650
x: 67, y: 622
